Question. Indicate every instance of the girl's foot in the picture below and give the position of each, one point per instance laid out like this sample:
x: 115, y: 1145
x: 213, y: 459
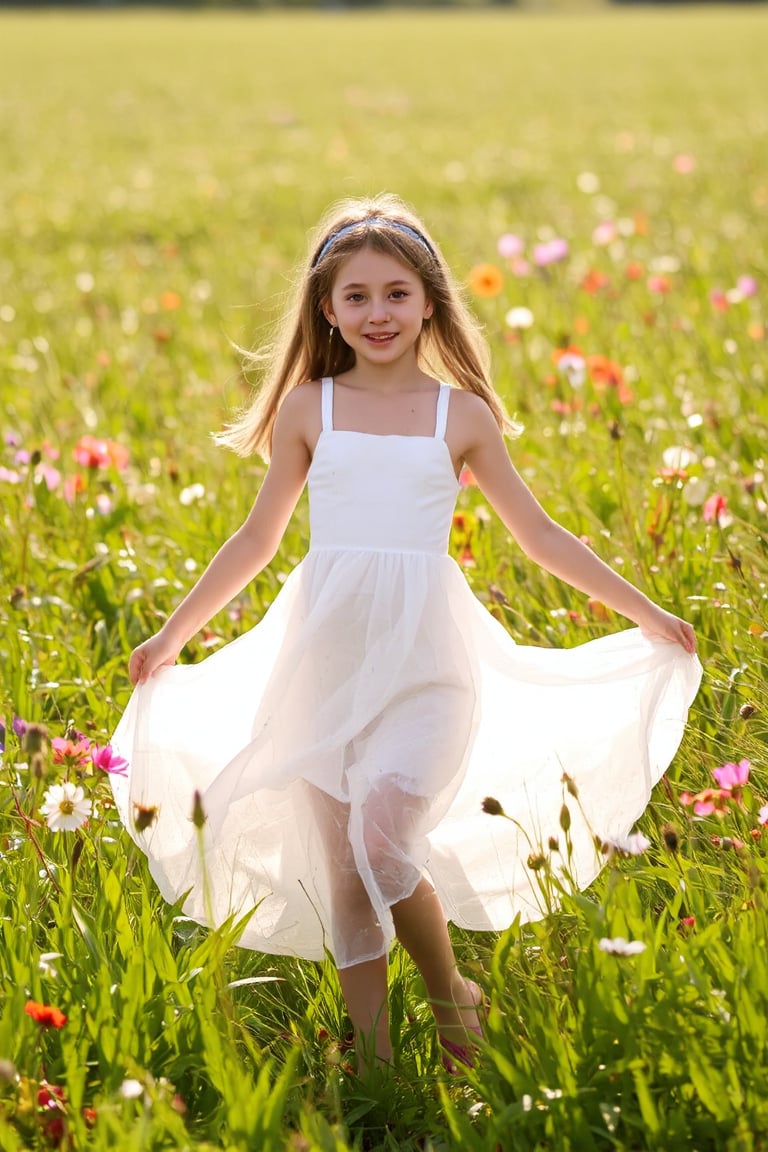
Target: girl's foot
x: 458, y: 1023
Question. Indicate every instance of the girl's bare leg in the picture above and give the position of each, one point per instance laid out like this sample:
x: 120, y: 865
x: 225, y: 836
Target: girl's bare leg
x: 364, y: 987
x: 422, y: 930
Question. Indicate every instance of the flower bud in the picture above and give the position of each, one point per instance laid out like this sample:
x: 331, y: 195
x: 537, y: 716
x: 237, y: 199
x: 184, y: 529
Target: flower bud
x: 536, y: 860
x: 565, y: 818
x: 570, y: 784
x: 747, y: 710
x: 671, y: 838
x: 198, y: 812
x: 492, y: 807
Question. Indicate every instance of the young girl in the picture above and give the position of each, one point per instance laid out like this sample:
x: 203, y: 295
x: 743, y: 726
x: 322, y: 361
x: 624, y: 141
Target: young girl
x: 339, y: 752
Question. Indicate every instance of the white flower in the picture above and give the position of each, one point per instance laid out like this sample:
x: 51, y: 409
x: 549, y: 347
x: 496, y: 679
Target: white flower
x: 621, y: 947
x: 189, y: 495
x: 632, y: 845
x: 574, y: 367
x: 131, y: 1089
x: 678, y: 457
x: 65, y: 807
x: 519, y: 318
x: 47, y: 965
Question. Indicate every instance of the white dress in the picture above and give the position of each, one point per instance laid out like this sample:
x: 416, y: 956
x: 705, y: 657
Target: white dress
x: 343, y: 746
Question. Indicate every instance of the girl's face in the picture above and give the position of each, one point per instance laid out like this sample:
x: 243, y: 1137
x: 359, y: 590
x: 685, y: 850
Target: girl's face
x: 379, y: 306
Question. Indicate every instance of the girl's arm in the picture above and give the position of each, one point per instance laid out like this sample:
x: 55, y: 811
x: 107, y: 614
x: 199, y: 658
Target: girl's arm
x: 246, y: 552
x: 549, y: 544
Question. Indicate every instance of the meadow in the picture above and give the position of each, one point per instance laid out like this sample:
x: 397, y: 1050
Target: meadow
x: 599, y: 182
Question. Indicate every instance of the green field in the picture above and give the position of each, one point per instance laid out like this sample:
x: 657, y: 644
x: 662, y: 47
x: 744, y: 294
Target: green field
x: 159, y: 175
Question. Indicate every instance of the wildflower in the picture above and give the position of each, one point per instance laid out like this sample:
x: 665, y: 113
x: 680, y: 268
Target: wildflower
x: 634, y: 270
x: 593, y: 281
x: 733, y: 776
x: 486, y: 280
x: 604, y: 373
x: 684, y: 163
x: 51, y: 1101
x: 91, y: 452
x: 72, y: 753
x: 659, y: 284
x: 688, y: 921
x: 746, y: 286
x: 632, y: 845
x: 492, y: 807
x: 131, y: 1089
x: 574, y: 368
x: 762, y: 816
x: 65, y: 807
x: 519, y: 317
x: 716, y: 509
x: 45, y: 1015
x: 108, y: 760
x: 550, y: 252
x: 708, y: 801
x: 509, y: 246
x: 536, y: 861
x: 604, y: 233
x: 169, y: 301
x: 618, y: 946
x: 194, y: 492
x: 47, y: 966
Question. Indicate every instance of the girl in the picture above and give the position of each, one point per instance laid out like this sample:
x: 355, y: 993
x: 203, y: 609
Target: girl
x: 336, y: 756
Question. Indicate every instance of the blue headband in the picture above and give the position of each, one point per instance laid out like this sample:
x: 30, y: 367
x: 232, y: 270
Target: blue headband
x: 405, y: 228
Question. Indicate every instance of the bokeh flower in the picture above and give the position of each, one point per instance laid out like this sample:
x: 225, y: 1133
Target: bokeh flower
x: 65, y: 807
x: 550, y: 252
x: 45, y: 1015
x: 707, y: 802
x: 91, y: 452
x: 618, y: 946
x: 762, y: 816
x: 732, y: 776
x: 716, y: 510
x: 486, y: 280
x: 634, y: 844
x: 519, y: 317
x: 509, y: 246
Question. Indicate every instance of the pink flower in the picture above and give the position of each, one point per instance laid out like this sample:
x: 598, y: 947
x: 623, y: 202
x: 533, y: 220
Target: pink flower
x: 732, y: 775
x: 73, y: 753
x: 108, y: 760
x: 746, y: 286
x: 715, y: 509
x: 708, y: 801
x: 762, y: 816
x: 684, y: 163
x: 509, y: 245
x: 550, y: 252
x: 604, y: 233
x: 718, y: 299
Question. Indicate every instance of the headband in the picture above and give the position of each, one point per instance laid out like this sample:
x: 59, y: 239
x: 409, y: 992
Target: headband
x: 404, y: 228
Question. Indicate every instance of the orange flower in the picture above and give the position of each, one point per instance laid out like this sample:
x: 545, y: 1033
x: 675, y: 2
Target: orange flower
x: 46, y: 1016
x: 486, y: 280
x: 635, y: 270
x: 604, y: 373
x: 170, y: 301
x: 594, y: 281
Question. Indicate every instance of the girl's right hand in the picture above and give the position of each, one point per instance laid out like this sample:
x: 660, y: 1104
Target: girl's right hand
x: 154, y: 653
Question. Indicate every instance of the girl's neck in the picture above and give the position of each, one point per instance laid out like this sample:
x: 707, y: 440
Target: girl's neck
x: 387, y: 379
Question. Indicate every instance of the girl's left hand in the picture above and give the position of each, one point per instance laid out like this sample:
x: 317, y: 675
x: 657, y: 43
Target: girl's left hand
x: 669, y: 627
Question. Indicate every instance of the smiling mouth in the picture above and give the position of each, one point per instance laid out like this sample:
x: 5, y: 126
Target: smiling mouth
x: 380, y: 337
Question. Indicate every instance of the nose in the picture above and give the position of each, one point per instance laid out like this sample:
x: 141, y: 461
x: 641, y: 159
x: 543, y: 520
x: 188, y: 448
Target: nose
x: 379, y: 311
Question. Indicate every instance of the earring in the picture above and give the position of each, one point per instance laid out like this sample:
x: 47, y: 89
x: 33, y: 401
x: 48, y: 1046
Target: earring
x: 331, y: 331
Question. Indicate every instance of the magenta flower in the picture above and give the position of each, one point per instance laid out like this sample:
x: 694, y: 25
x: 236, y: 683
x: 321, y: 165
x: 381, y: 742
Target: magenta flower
x: 762, y: 816
x: 550, y: 252
x: 109, y: 760
x: 746, y: 286
x: 732, y: 775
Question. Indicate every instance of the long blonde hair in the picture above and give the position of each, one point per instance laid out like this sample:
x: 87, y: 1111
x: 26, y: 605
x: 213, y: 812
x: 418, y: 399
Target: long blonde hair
x: 450, y: 343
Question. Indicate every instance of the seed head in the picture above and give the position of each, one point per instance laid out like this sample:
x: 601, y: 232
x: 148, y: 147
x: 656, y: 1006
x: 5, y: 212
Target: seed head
x: 747, y: 710
x: 536, y: 860
x: 492, y: 807
x: 671, y: 838
x: 565, y: 818
x: 554, y: 844
x: 570, y: 785
x: 144, y: 818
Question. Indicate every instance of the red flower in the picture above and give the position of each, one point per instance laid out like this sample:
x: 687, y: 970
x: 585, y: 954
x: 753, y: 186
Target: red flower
x: 45, y: 1015
x: 91, y: 452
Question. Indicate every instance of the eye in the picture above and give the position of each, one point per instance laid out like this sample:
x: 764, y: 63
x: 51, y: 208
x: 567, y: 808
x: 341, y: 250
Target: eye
x: 355, y: 297
x: 399, y: 294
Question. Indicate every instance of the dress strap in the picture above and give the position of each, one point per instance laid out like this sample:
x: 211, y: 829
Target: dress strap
x: 327, y: 403
x: 441, y: 418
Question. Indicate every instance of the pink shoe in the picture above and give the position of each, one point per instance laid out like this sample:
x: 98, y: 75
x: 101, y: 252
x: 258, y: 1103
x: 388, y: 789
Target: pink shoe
x: 458, y: 1054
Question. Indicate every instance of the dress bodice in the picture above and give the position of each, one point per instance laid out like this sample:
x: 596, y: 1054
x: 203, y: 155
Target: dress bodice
x: 381, y: 493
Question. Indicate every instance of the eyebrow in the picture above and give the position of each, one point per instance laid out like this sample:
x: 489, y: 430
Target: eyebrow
x: 390, y: 284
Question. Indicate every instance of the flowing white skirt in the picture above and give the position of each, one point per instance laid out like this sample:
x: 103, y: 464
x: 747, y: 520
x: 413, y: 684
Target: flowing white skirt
x: 342, y: 749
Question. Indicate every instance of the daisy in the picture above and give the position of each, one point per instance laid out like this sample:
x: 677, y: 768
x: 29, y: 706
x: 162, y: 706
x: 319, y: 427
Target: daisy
x: 65, y: 807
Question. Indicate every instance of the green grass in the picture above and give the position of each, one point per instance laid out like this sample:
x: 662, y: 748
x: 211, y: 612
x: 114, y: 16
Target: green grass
x: 159, y: 175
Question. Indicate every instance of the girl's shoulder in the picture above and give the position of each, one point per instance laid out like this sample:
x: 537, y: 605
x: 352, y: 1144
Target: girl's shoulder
x: 299, y: 412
